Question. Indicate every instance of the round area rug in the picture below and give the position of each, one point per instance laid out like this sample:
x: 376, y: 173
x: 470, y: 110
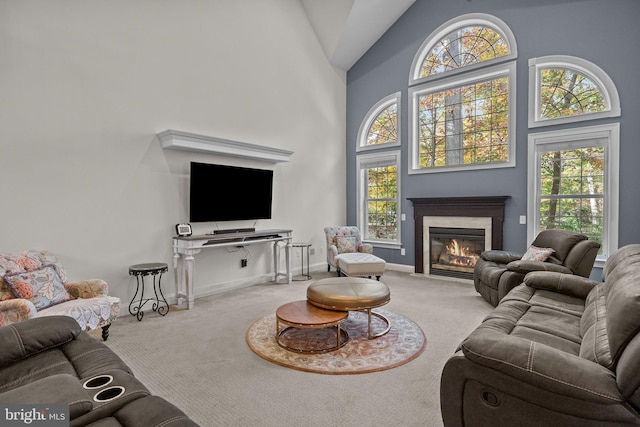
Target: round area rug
x: 404, y: 342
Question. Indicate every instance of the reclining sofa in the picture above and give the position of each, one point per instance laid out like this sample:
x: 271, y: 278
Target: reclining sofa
x: 51, y: 361
x: 558, y: 350
x: 497, y: 272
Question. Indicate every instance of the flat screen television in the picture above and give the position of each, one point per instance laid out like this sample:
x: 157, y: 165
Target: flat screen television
x: 228, y: 193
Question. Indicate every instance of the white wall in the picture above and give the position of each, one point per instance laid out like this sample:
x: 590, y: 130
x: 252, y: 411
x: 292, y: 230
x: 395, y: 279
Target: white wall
x: 86, y: 85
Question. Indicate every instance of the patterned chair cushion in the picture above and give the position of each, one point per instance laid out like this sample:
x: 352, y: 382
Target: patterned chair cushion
x: 346, y: 244
x: 43, y: 287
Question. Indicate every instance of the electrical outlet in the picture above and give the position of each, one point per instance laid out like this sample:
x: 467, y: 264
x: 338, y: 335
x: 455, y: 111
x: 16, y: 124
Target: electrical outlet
x: 243, y: 262
x: 402, y: 252
x: 312, y: 251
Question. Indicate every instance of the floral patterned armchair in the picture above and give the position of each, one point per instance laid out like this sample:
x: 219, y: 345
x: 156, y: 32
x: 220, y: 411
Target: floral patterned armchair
x: 344, y: 239
x: 34, y: 284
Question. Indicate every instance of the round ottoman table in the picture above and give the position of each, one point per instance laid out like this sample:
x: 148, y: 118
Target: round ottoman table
x: 351, y: 294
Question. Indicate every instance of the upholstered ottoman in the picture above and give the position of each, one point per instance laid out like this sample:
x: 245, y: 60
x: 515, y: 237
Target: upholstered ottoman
x: 360, y: 265
x: 351, y: 294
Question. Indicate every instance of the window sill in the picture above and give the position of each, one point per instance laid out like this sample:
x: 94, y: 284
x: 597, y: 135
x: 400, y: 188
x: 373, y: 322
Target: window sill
x: 386, y: 245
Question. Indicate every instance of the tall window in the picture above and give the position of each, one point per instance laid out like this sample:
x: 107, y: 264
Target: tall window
x: 573, y: 173
x: 574, y: 184
x: 462, y: 97
x: 378, y: 197
x: 380, y: 125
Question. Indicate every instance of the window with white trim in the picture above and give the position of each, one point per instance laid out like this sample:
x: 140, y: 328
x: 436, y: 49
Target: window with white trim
x: 462, y: 99
x: 565, y: 89
x: 380, y: 125
x: 573, y: 183
x: 378, y: 196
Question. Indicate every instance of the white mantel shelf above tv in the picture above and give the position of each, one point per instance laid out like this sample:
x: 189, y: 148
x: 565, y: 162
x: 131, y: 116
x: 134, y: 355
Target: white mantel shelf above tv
x: 179, y: 140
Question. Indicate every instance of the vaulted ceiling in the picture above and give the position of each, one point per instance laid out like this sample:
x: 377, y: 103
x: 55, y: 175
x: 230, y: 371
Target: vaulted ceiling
x: 346, y: 29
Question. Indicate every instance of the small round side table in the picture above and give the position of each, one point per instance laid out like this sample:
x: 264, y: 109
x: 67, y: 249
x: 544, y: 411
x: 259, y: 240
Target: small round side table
x: 302, y: 246
x: 160, y: 304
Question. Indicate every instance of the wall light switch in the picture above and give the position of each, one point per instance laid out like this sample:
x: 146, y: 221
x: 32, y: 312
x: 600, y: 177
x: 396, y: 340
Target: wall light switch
x: 523, y: 219
x: 402, y: 218
x: 401, y: 251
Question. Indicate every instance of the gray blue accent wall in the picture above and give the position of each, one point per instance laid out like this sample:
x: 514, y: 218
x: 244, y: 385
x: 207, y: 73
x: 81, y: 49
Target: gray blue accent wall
x: 604, y: 32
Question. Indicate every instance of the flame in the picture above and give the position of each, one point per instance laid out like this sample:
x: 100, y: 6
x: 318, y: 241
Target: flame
x: 467, y: 257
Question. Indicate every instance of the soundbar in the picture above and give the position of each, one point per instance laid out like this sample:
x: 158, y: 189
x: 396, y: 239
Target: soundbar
x: 235, y: 230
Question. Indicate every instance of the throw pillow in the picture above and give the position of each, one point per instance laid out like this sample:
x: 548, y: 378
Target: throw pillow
x: 42, y: 287
x: 535, y: 253
x: 346, y: 244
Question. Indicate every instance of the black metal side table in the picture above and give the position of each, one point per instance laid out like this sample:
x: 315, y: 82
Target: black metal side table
x: 303, y: 246
x: 160, y: 304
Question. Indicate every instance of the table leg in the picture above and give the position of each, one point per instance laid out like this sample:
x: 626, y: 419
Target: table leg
x: 178, y: 271
x: 160, y: 309
x: 137, y: 311
x: 288, y: 261
x: 188, y: 266
x: 276, y: 261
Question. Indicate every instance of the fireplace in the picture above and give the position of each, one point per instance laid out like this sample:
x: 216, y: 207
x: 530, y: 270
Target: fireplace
x: 454, y: 251
x: 473, y: 222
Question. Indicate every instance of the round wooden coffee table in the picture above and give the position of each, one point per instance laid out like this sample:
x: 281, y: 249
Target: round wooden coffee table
x: 302, y: 315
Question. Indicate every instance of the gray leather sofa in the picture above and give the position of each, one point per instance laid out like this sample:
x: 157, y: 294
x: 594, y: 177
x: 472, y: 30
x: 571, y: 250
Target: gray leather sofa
x: 497, y: 272
x: 559, y: 350
x: 50, y: 361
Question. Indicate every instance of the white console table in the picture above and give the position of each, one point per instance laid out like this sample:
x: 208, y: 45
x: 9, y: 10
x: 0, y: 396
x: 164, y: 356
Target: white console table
x: 184, y: 248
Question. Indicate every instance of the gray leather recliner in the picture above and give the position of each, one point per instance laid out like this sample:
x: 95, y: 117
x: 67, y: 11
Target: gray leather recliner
x: 497, y: 272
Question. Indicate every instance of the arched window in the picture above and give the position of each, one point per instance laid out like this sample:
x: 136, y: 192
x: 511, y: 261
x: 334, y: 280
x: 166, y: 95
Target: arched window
x: 462, y: 97
x: 565, y: 89
x: 380, y: 125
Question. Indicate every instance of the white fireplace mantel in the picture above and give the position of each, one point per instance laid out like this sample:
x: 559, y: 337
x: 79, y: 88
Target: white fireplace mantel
x: 179, y: 140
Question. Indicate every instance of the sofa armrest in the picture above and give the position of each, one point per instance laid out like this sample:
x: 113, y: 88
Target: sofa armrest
x: 23, y: 339
x: 366, y: 248
x: 61, y: 389
x: 567, y: 284
x: 525, y: 267
x: 542, y: 366
x: 88, y: 288
x: 16, y: 310
x: 500, y: 257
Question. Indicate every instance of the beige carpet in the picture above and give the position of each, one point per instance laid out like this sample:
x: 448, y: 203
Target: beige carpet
x: 199, y: 360
x: 360, y: 355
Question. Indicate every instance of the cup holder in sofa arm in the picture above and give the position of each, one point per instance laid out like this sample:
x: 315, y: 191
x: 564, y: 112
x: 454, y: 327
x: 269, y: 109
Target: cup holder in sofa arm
x: 109, y: 393
x: 97, y: 382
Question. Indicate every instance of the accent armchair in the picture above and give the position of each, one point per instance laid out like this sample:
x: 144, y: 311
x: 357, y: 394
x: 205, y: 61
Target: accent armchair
x: 34, y: 284
x: 497, y: 272
x: 344, y: 239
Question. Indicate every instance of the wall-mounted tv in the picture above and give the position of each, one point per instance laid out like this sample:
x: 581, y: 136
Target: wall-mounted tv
x: 227, y: 193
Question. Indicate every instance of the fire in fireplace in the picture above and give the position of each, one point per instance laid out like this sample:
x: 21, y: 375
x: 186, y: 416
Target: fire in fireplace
x: 454, y: 251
